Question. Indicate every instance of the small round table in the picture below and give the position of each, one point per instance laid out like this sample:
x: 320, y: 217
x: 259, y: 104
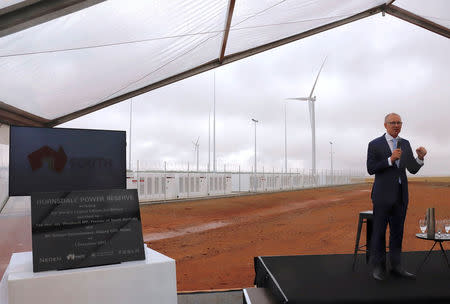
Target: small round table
x: 437, y: 239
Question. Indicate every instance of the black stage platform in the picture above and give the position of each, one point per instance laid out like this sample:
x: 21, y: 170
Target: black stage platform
x: 330, y: 279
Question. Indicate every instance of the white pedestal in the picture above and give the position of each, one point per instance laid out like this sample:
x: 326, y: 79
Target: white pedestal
x: 152, y: 280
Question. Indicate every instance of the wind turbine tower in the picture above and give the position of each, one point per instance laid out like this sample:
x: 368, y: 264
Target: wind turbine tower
x: 196, y: 148
x: 312, y: 117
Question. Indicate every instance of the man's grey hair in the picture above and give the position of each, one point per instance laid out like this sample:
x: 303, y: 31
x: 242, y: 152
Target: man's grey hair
x: 387, y: 116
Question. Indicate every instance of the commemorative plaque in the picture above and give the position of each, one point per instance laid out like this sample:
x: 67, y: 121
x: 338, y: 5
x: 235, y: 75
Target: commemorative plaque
x: 85, y: 228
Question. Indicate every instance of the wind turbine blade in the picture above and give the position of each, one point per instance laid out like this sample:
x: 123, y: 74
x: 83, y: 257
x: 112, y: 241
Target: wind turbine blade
x: 197, y: 141
x: 315, y: 82
x: 299, y: 98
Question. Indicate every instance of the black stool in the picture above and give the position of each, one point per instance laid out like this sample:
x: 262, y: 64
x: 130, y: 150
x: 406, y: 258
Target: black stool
x: 364, y: 217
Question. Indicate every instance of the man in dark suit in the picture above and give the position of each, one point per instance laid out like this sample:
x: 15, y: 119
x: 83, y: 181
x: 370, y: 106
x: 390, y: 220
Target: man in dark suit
x: 387, y: 157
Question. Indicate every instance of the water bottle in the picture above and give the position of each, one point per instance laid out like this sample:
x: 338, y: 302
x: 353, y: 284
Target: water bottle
x: 431, y: 223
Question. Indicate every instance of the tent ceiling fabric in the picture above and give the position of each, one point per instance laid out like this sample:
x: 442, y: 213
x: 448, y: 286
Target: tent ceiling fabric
x: 17, y: 15
x: 434, y: 10
x: 76, y: 63
x: 267, y: 21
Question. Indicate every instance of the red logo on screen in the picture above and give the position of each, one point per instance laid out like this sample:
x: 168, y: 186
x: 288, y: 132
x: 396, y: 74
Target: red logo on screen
x: 56, y: 159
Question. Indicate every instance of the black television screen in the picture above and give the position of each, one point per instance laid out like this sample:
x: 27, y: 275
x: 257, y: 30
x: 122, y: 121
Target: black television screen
x: 58, y: 159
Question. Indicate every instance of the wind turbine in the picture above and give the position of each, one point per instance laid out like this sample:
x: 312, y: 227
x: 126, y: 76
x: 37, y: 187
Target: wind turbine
x: 196, y: 148
x: 311, y: 101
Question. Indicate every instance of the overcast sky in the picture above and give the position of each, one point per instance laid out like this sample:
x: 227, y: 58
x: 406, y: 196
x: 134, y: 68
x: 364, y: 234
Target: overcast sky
x: 375, y: 66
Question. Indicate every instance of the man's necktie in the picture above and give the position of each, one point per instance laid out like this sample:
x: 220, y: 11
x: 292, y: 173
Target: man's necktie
x: 397, y: 162
x: 394, y: 141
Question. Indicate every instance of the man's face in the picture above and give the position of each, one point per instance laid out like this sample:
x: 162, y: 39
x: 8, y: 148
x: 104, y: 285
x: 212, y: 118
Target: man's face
x: 393, y: 125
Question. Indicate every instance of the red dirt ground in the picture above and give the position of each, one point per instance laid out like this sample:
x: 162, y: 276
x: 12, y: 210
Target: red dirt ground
x: 214, y: 241
x: 316, y: 221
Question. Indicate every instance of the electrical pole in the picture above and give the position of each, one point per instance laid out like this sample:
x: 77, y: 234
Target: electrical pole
x: 255, y: 180
x: 209, y: 140
x: 129, y: 146
x: 331, y: 158
x: 285, y: 139
x: 214, y: 126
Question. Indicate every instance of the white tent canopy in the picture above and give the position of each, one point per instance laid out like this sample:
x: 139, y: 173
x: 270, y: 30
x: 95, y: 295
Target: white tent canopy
x: 63, y: 59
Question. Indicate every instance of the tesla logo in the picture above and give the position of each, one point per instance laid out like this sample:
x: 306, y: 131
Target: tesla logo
x: 56, y: 159
x: 73, y: 257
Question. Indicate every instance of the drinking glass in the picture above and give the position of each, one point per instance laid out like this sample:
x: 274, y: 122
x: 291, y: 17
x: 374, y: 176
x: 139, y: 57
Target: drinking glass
x: 422, y: 225
x: 447, y: 225
x: 439, y: 227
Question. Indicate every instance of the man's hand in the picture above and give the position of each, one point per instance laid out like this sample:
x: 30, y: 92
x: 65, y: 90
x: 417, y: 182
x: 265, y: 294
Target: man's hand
x: 396, y: 154
x: 421, y: 152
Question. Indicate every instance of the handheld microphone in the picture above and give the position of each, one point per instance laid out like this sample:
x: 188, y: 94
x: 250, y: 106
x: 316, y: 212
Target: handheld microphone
x: 399, y: 143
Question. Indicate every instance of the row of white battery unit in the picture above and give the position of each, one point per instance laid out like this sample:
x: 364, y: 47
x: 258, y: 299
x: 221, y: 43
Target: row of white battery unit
x: 282, y: 181
x: 167, y: 186
x: 153, y: 186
